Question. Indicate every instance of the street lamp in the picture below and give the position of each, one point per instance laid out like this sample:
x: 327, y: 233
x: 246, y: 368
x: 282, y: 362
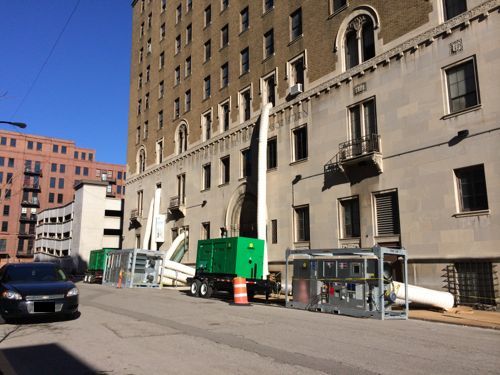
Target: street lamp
x: 21, y: 125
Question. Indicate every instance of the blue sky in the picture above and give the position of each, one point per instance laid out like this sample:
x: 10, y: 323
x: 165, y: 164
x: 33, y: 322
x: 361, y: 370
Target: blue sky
x: 82, y: 93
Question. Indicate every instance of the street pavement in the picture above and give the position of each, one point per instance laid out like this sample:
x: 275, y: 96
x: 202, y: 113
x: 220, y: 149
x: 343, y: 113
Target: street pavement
x: 153, y: 331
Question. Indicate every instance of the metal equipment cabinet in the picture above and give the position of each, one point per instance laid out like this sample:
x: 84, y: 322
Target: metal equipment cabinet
x: 95, y: 267
x: 356, y: 282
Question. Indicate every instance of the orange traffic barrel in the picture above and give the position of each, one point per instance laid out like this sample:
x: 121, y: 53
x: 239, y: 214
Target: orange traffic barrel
x: 240, y: 291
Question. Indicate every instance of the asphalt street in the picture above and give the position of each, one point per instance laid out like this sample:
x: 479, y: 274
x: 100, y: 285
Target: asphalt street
x: 152, y: 331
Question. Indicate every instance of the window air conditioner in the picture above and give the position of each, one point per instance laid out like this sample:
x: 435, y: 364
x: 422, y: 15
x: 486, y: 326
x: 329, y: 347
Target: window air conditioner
x: 296, y: 89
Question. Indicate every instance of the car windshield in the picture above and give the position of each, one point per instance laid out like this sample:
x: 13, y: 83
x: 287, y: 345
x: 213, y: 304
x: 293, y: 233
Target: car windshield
x: 34, y: 273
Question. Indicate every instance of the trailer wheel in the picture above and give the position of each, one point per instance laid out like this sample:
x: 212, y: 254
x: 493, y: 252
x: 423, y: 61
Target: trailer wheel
x: 195, y: 288
x: 205, y: 290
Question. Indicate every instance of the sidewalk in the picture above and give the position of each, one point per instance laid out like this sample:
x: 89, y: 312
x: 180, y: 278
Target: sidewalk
x: 460, y: 315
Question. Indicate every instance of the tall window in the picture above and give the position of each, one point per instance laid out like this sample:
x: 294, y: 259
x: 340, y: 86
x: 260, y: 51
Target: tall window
x: 141, y: 161
x: 225, y: 170
x: 177, y: 75
x: 244, y: 19
x: 268, y: 43
x: 205, y: 231
x: 177, y: 108
x: 453, y: 8
x: 471, y: 186
x: 269, y: 93
x: 349, y: 217
x: 187, y: 67
x: 363, y: 129
x: 160, y: 120
x: 187, y: 100
x: 224, y: 75
x: 272, y: 153
x: 189, y: 33
x: 146, y: 101
x: 462, y: 86
x: 300, y: 149
x: 302, y: 223
x: 245, y: 104
x: 178, y: 14
x: 296, y: 24
x: 206, y: 87
x: 207, y: 125
x: 159, y: 151
x: 224, y: 116
x: 337, y: 5
x: 189, y: 5
x: 182, y: 139
x: 387, y: 213
x: 207, y: 15
x: 246, y: 163
x: 163, y: 31
x: 297, y: 67
x: 359, y: 41
x: 207, y: 50
x: 274, y: 231
x: 181, y: 188
x: 245, y: 60
x: 224, y: 36
x: 161, y: 62
x: 206, y: 176
x: 224, y: 4
x: 146, y: 130
x: 161, y: 89
x: 149, y: 46
x: 268, y: 5
x: 178, y: 43
x: 148, y: 73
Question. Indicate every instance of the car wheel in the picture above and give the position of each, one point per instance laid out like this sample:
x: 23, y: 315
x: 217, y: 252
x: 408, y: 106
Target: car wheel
x: 205, y: 290
x: 195, y: 288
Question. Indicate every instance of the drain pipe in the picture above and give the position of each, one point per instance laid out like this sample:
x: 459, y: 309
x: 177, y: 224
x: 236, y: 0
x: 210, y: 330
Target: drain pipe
x: 262, y: 184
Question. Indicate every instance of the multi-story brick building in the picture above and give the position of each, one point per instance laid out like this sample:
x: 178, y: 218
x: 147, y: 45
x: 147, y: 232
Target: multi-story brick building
x: 37, y: 173
x: 383, y: 128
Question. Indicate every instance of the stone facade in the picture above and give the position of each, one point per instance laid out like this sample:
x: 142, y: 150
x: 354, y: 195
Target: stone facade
x: 412, y: 162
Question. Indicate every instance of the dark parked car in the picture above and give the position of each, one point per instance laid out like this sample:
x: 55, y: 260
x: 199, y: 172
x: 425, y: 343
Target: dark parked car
x: 33, y: 289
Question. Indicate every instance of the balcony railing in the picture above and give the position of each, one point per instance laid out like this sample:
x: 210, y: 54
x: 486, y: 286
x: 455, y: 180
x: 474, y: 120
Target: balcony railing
x: 177, y: 203
x: 33, y: 202
x: 27, y: 218
x: 32, y: 171
x: 31, y: 186
x: 360, y: 146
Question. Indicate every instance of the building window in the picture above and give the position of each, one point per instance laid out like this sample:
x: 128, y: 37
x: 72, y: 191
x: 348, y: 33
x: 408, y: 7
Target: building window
x: 177, y: 75
x: 6, y: 210
x: 148, y: 73
x: 462, y: 85
x: 207, y: 16
x: 187, y: 100
x: 206, y: 176
x: 297, y: 67
x: 224, y: 75
x: 471, y: 186
x: 78, y: 170
x: 62, y: 168
x: 189, y: 33
x: 269, y: 89
x: 207, y: 125
x: 387, y: 213
x: 274, y: 231
x: 161, y: 62
x: 53, y: 167
x: 55, y: 148
x: 178, y: 14
x: 302, y: 224
x: 245, y: 105
x: 150, y: 18
x: 139, y: 106
x: 146, y: 130
x: 338, y: 5
x: 60, y: 198
x: 146, y: 101
x: 149, y: 46
x: 300, y: 149
x: 296, y: 24
x: 85, y: 171
x: 268, y: 44
x: 118, y: 189
x: 141, y: 54
x: 268, y: 5
x: 52, y: 182
x: 245, y: 60
x: 225, y: 170
x: 207, y: 50
x: 453, y: 8
x: 349, y: 217
x: 138, y: 134
x: 141, y: 160
x: 3, y: 244
x: 51, y: 197
x: 244, y: 19
x: 10, y: 162
x: 160, y: 120
x: 181, y: 188
x: 189, y: 5
x: 139, y: 81
x: 246, y: 163
x: 205, y: 231
x: 30, y: 145
x: 363, y: 129
x: 178, y: 44
x: 64, y: 149
x: 3, y: 141
x: 224, y: 115
x: 61, y: 183
x: 162, y: 31
x: 161, y: 89
x: 163, y: 5
x: 359, y: 41
x: 5, y: 226
x: 8, y: 194
x: 159, y: 151
x: 182, y: 139
x: 177, y: 108
x: 272, y: 153
x: 206, y: 87
x: 187, y: 67
x: 140, y: 197
x: 39, y: 146
x: 119, y: 175
x: 224, y: 36
x: 12, y: 142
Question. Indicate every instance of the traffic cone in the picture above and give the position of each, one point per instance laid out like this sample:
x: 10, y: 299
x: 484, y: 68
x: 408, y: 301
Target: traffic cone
x: 240, y: 292
x: 120, y: 276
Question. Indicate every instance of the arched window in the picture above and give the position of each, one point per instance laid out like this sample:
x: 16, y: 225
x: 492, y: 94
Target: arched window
x: 182, y: 139
x: 141, y: 160
x: 359, y: 41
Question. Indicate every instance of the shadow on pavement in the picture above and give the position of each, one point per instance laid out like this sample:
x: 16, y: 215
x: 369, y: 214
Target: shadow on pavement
x: 43, y: 319
x: 42, y: 359
x: 228, y: 298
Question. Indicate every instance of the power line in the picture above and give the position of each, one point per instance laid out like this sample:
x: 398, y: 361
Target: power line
x: 46, y: 60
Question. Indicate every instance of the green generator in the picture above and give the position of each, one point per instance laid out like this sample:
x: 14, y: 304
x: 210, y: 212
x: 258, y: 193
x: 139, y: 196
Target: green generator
x: 220, y: 260
x: 95, y: 268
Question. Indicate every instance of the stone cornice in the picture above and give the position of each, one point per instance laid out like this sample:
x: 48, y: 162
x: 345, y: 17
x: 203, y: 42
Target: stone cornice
x: 422, y: 40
